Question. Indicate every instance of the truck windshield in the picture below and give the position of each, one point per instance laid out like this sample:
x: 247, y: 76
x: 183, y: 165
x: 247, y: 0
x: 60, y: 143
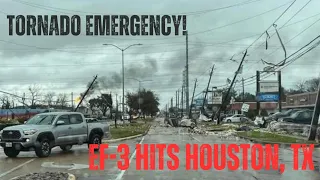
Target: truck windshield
x: 41, y: 119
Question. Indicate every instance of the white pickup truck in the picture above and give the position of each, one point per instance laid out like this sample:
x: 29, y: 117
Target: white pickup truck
x: 44, y: 131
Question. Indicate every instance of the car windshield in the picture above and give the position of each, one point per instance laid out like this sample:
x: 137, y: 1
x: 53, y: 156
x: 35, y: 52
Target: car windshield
x: 294, y: 115
x: 41, y: 119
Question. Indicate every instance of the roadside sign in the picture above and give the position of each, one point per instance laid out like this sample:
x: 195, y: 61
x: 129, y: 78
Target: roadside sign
x: 268, y: 97
x: 245, y: 107
x: 269, y: 86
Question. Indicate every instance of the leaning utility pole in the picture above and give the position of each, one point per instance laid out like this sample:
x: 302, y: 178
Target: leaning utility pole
x: 82, y: 98
x: 227, y: 95
x: 194, y: 89
x: 242, y: 91
x: 205, y: 95
x: 315, y: 118
x: 187, y: 73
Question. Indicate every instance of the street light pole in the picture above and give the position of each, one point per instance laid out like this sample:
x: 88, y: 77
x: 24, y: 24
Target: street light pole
x: 122, y: 53
x: 140, y: 81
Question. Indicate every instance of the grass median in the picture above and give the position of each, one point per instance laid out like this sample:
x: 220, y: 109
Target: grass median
x: 126, y: 130
x: 272, y: 137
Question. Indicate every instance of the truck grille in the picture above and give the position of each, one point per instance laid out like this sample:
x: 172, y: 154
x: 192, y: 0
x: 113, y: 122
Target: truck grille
x: 11, y: 134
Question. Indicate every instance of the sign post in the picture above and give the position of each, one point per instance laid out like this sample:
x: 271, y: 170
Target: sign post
x: 269, y: 91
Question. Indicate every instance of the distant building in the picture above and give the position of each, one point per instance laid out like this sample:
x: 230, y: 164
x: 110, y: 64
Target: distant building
x: 303, y: 100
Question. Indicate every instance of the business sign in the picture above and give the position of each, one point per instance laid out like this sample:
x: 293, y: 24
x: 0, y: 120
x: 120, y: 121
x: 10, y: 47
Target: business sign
x: 245, y: 107
x: 269, y: 86
x: 268, y: 97
x: 216, y: 98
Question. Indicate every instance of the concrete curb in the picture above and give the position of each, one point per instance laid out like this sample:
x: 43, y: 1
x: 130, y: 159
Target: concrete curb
x: 71, y: 177
x: 270, y: 142
x: 126, y: 138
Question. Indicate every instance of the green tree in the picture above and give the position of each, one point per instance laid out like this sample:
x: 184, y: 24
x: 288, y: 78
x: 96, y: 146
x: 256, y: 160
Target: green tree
x: 149, y: 102
x: 248, y: 97
x: 103, y: 102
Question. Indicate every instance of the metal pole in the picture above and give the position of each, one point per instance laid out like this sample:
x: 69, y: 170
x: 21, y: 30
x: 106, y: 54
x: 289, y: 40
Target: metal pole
x: 139, y: 98
x: 187, y: 73
x: 182, y: 101
x: 242, y: 91
x: 122, y: 84
x: 178, y: 99
x: 194, y: 89
x: 280, y: 91
x: 258, y: 91
x: 72, y: 101
x: 227, y: 94
x: 315, y: 118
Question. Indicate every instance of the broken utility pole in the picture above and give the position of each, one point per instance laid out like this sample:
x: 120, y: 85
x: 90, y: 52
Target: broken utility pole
x: 315, y: 118
x: 194, y: 89
x: 207, y: 89
x: 95, y: 78
x: 227, y: 95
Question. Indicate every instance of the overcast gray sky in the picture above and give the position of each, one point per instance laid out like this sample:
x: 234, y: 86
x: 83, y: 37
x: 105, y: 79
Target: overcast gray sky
x: 67, y: 63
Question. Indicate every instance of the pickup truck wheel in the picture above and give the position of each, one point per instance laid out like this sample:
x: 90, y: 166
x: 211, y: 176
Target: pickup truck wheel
x: 95, y: 139
x: 228, y: 121
x: 44, y: 148
x: 11, y: 152
x: 66, y: 147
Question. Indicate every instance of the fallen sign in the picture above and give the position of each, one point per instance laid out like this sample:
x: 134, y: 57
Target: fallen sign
x: 69, y: 166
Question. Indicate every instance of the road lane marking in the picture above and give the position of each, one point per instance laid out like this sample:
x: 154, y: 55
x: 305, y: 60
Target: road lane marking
x: 15, y: 168
x: 195, y: 139
x: 120, y: 175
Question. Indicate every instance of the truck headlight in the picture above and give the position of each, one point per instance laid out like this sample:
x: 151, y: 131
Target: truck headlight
x: 29, y: 132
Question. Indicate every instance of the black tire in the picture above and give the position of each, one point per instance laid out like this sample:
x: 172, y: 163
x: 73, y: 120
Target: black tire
x: 11, y: 152
x: 66, y: 147
x: 228, y: 121
x: 44, y: 148
x: 95, y: 139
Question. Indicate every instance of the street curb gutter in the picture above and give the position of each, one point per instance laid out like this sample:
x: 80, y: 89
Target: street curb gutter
x: 127, y: 138
x: 270, y: 142
x: 71, y: 177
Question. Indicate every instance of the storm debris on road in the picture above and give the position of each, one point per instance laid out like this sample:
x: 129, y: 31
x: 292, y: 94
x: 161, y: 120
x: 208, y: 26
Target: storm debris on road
x: 45, y: 176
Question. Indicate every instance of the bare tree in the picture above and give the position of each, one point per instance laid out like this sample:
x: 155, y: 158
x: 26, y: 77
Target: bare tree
x: 312, y: 84
x: 62, y: 100
x: 35, y: 93
x: 5, y: 102
x: 49, y: 98
x: 301, y: 86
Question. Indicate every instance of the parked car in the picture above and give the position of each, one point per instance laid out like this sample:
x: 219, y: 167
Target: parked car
x: 277, y: 115
x: 44, y: 131
x: 234, y: 118
x: 299, y: 117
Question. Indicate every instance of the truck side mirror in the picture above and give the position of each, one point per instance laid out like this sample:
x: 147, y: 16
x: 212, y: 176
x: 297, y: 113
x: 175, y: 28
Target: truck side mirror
x: 60, y: 123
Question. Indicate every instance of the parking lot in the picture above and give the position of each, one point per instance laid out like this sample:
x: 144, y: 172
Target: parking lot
x: 76, y: 161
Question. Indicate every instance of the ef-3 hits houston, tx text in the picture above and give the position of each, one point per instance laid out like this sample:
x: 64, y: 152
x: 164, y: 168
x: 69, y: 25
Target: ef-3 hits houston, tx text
x: 204, y: 156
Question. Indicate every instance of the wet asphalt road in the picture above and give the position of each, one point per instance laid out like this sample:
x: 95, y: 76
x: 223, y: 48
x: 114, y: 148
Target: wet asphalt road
x: 28, y: 162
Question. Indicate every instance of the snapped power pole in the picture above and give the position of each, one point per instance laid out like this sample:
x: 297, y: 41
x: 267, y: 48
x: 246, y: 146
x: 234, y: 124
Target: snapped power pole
x: 315, y: 118
x: 194, y: 89
x: 207, y: 89
x: 178, y: 99
x: 242, y: 91
x: 224, y: 100
x: 95, y: 78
